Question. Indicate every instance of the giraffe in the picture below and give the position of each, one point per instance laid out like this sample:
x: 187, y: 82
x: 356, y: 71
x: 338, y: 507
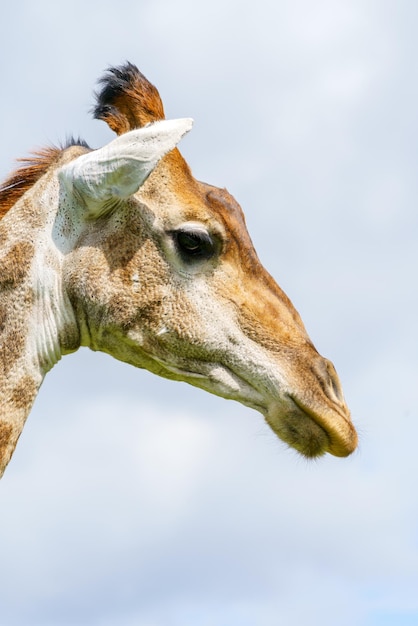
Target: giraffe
x: 122, y: 250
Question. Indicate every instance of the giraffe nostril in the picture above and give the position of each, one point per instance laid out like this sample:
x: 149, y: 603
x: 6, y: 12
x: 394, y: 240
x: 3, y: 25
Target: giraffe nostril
x: 335, y: 382
x: 332, y: 385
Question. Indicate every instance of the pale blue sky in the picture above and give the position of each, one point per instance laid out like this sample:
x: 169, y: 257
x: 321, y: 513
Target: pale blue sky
x: 133, y: 501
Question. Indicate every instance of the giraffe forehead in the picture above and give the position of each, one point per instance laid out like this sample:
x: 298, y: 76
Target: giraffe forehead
x: 192, y: 201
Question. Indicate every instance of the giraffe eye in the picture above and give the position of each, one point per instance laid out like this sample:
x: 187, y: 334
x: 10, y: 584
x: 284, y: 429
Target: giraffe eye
x: 194, y: 245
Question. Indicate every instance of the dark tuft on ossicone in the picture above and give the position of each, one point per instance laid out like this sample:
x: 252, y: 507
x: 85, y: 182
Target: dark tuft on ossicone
x: 127, y: 100
x: 115, y: 82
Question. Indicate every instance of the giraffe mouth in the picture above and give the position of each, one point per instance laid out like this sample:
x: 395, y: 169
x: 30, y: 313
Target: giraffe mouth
x: 312, y: 432
x: 221, y: 381
x: 337, y: 424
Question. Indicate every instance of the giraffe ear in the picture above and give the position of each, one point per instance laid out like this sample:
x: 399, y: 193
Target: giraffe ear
x: 118, y: 170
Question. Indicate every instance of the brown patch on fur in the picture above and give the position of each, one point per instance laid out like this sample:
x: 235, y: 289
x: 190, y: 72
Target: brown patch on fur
x: 3, y: 317
x: 120, y: 248
x: 4, y: 234
x: 6, y: 431
x: 127, y: 99
x: 15, y: 264
x: 10, y: 350
x: 24, y: 393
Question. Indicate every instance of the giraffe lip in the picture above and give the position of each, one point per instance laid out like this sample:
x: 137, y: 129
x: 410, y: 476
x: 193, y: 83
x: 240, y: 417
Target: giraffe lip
x: 335, y: 422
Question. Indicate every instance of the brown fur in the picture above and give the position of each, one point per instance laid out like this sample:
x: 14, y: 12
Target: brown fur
x: 15, y: 264
x: 128, y: 100
x: 3, y: 317
x: 24, y: 393
x: 11, y: 348
x: 6, y: 431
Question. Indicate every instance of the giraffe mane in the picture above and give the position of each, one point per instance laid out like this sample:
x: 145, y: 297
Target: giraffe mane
x: 32, y: 168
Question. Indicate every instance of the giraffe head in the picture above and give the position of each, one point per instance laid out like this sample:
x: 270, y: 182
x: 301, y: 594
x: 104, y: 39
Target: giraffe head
x: 158, y: 270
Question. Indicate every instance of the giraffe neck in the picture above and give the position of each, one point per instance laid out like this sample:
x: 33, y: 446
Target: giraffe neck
x: 37, y: 323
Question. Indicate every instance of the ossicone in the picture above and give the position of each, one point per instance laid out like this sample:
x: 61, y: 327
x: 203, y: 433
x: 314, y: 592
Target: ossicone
x: 127, y: 100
